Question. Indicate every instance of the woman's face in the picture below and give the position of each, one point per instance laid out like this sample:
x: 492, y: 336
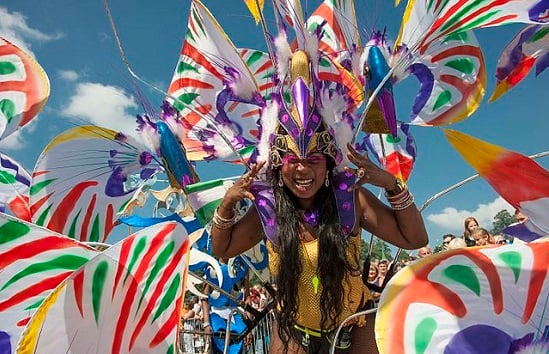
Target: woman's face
x: 472, y: 225
x: 372, y: 273
x: 304, y: 177
x: 382, y: 268
x: 481, y: 238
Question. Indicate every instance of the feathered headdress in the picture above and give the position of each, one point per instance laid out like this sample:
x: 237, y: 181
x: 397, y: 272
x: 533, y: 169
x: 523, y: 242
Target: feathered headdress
x: 310, y: 120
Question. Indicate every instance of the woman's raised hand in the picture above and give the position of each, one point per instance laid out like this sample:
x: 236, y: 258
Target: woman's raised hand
x: 241, y: 188
x: 367, y: 171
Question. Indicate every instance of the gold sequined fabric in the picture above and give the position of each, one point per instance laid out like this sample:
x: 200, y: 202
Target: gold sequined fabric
x: 309, y: 314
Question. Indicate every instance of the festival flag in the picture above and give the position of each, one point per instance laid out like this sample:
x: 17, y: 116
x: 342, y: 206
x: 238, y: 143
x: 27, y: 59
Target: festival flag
x: 125, y: 300
x: 515, y: 177
x: 254, y: 9
x: 528, y: 48
x: 33, y: 262
x: 398, y: 154
x: 205, y: 197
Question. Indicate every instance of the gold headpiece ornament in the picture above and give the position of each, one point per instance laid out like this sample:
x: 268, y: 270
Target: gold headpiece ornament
x: 301, y: 129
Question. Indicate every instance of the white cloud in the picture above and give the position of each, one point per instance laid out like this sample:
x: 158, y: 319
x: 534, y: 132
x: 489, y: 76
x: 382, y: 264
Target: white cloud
x: 104, y: 106
x: 451, y: 219
x: 14, y: 27
x: 68, y: 75
x: 19, y: 138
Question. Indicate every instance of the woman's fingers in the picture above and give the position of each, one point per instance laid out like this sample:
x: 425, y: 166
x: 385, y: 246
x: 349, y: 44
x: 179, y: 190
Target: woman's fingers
x: 249, y: 195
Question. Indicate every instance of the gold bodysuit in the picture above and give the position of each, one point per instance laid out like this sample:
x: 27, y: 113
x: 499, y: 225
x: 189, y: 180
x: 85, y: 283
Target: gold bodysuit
x: 308, y: 314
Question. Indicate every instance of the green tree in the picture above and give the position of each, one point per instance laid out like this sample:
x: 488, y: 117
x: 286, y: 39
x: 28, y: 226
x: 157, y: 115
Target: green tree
x: 380, y: 250
x: 403, y: 257
x: 502, y: 219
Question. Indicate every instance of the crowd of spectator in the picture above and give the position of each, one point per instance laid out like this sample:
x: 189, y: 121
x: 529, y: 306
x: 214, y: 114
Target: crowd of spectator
x: 196, y: 327
x: 473, y: 235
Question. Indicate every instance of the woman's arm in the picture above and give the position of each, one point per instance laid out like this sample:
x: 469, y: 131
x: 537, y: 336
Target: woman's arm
x: 403, y: 228
x: 243, y: 235
x: 230, y: 238
x: 401, y: 225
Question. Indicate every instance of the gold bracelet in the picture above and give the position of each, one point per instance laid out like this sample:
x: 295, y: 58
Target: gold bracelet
x: 222, y: 223
x: 401, y: 201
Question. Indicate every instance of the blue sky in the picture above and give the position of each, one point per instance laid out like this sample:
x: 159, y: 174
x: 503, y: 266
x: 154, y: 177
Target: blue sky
x: 73, y: 42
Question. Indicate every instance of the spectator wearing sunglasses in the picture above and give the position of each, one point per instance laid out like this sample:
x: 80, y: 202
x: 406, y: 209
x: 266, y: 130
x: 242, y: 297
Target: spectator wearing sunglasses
x: 446, y: 239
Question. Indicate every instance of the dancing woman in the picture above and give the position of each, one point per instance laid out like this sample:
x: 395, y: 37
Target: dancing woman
x: 311, y: 211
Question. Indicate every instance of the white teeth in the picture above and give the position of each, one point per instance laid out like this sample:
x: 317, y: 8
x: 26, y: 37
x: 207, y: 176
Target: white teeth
x: 303, y: 182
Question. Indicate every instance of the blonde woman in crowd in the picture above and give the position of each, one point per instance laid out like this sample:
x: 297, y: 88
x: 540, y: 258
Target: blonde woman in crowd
x: 482, y: 237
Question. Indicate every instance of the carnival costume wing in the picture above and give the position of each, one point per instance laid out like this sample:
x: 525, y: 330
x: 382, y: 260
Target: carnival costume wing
x: 14, y: 188
x: 215, y: 91
x: 340, y: 39
x: 515, y: 177
x: 450, y: 70
x: 437, y: 46
x: 125, y: 300
x: 472, y: 300
x: 84, y: 178
x: 24, y: 88
x: 339, y: 48
x: 433, y: 23
x: 441, y: 19
x: 33, y: 261
x: 529, y: 48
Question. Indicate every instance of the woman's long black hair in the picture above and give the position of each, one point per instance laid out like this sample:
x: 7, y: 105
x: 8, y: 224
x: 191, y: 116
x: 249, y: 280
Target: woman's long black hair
x: 332, y: 257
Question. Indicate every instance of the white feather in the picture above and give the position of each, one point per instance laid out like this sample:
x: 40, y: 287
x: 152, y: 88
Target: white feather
x: 538, y: 348
x: 311, y: 47
x: 176, y: 127
x: 269, y: 123
x: 356, y: 66
x: 283, y: 55
x: 331, y: 110
x: 150, y: 137
x: 222, y: 149
x: 243, y: 86
x: 343, y: 135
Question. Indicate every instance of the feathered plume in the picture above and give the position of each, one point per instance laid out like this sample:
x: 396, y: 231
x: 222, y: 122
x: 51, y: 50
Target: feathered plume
x: 269, y: 122
x: 240, y: 84
x: 332, y: 109
x: 149, y: 133
x: 283, y: 55
x: 311, y: 47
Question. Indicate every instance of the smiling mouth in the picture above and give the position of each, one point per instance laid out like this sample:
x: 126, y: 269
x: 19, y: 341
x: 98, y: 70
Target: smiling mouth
x: 303, y: 184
